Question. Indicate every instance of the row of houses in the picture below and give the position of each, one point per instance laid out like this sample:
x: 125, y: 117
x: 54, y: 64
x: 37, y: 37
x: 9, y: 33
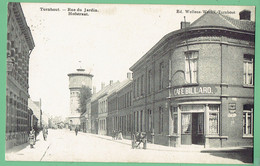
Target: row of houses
x: 195, y: 86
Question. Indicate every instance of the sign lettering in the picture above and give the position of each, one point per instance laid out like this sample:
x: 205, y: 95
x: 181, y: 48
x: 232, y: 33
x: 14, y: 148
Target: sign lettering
x: 194, y: 90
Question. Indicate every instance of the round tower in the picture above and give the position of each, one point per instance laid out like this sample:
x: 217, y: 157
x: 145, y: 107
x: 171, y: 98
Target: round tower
x: 76, y: 81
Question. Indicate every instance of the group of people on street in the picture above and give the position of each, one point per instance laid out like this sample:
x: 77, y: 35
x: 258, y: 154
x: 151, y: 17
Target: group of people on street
x: 33, y: 135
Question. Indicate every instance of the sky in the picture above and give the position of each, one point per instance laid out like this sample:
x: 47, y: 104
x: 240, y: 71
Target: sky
x: 107, y: 41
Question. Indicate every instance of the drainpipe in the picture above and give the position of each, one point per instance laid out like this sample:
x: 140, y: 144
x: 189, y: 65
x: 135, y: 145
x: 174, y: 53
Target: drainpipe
x: 221, y: 93
x: 169, y: 100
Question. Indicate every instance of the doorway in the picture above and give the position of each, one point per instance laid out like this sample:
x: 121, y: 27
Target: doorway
x: 192, y: 127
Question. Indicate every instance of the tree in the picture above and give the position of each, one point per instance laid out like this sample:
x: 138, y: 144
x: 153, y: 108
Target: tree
x: 84, y: 95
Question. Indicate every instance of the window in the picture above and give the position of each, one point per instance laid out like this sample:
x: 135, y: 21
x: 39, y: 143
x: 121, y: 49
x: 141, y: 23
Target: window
x: 130, y: 98
x: 141, y: 120
x: 213, y: 119
x: 149, y: 88
x: 248, y: 70
x: 191, y: 66
x: 161, y: 76
x: 174, y: 111
x: 160, y: 120
x: 142, y: 85
x: 248, y: 120
x: 134, y: 88
x: 150, y: 122
x: 138, y: 80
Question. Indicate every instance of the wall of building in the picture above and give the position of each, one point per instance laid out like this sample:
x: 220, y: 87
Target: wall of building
x: 18, y: 50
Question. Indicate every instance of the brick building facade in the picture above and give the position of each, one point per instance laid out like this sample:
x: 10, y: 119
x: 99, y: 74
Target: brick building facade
x: 195, y: 86
x: 196, y: 83
x: 19, y: 46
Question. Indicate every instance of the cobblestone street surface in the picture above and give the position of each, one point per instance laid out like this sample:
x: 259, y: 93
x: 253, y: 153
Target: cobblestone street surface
x: 64, y: 145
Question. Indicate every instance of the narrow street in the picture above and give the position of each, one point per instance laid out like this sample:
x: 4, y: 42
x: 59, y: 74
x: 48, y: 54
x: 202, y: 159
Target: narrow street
x: 64, y: 145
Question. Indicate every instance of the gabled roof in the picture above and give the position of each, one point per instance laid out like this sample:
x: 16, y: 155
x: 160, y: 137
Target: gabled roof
x: 219, y: 20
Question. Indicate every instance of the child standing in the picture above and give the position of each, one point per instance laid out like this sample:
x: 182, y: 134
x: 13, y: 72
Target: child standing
x: 31, y: 138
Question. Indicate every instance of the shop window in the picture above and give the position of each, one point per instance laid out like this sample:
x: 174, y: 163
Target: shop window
x: 185, y: 123
x: 248, y: 120
x: 161, y: 76
x: 248, y: 70
x: 213, y: 119
x: 191, y: 66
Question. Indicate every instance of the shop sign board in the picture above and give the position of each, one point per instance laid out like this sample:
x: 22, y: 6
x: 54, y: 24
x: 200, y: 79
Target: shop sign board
x: 197, y: 90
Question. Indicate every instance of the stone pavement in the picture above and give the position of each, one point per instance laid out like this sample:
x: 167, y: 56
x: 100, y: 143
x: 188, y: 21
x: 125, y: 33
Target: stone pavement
x: 182, y: 148
x: 24, y: 152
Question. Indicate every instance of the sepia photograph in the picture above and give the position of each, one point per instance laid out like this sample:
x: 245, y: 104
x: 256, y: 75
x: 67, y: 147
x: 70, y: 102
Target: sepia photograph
x: 130, y: 83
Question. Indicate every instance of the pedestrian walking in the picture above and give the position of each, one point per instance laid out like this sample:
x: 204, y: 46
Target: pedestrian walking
x: 32, y: 138
x: 45, y: 133
x: 76, y: 130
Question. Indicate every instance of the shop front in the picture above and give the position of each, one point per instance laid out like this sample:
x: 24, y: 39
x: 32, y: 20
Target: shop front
x: 198, y: 121
x: 195, y: 115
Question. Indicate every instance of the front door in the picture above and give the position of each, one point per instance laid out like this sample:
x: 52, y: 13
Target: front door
x: 197, y: 128
x: 192, y: 128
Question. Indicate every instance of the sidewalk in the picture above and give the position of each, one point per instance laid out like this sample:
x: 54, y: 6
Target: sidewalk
x: 183, y: 148
x: 25, y: 153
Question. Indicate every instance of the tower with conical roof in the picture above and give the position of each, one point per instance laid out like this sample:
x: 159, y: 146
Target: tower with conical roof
x: 76, y: 81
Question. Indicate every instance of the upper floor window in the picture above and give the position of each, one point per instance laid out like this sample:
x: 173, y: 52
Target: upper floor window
x: 161, y: 76
x: 149, y: 82
x: 137, y: 87
x: 142, y: 85
x: 191, y: 66
x: 248, y: 120
x: 248, y: 69
x: 134, y: 88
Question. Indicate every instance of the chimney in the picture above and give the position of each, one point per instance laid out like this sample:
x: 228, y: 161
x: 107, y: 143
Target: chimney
x: 110, y: 82
x: 185, y: 24
x: 129, y: 75
x: 102, y: 85
x: 245, y: 15
x: 94, y: 90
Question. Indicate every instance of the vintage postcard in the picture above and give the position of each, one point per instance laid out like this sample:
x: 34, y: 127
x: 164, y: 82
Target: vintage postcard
x: 133, y: 83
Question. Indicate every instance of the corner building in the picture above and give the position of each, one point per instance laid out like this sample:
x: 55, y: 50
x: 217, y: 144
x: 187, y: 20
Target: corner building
x: 196, y: 85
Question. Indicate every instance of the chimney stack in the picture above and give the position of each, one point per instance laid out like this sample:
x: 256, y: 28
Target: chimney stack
x: 111, y: 82
x: 245, y: 15
x: 185, y: 24
x: 102, y: 85
x: 129, y: 75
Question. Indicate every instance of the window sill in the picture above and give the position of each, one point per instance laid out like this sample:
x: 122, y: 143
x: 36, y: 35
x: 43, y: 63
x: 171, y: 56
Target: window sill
x: 190, y: 84
x: 173, y: 135
x: 248, y: 86
x: 216, y: 136
x: 248, y: 136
